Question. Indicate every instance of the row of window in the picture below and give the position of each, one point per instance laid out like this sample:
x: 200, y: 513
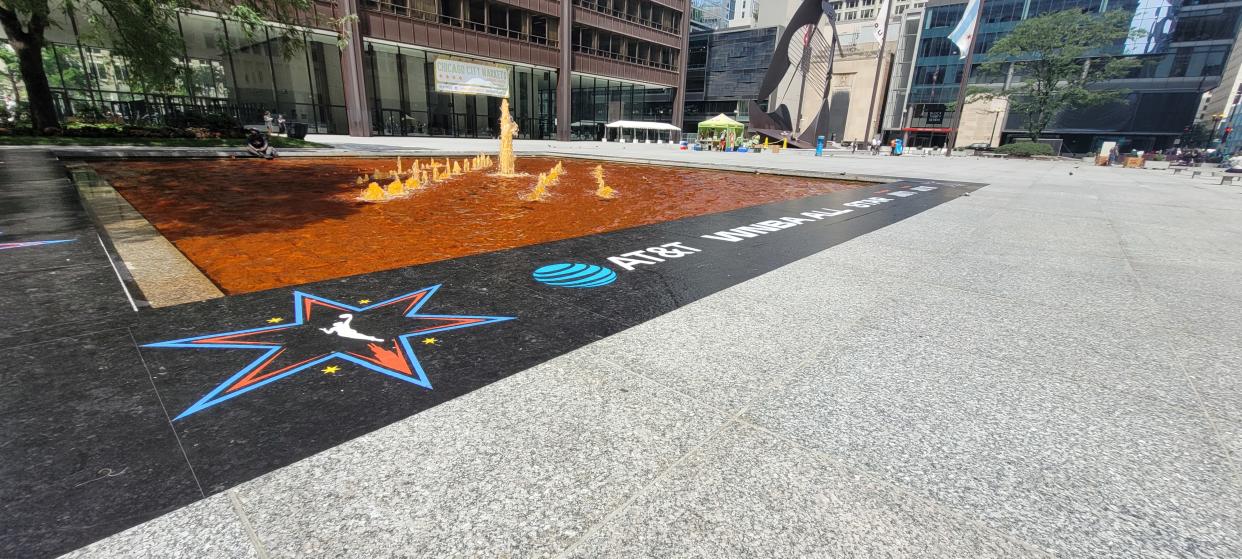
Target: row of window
x: 599, y: 100
x: 596, y: 42
x: 857, y: 14
x: 643, y: 13
x: 493, y: 18
x: 1184, y: 62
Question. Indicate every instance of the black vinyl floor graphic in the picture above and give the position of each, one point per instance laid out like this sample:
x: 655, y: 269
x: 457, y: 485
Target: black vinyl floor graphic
x: 114, y: 417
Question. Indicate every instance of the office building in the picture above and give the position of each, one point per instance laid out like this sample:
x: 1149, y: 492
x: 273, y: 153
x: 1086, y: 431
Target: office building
x: 1182, y: 54
x: 573, y: 66
x: 726, y: 67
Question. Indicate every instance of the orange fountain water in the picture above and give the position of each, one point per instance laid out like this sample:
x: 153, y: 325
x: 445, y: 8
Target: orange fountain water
x: 508, y: 128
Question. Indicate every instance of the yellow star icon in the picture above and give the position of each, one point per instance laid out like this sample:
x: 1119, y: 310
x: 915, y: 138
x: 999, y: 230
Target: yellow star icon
x: 330, y: 369
x: 363, y: 301
x: 275, y: 320
x: 430, y: 341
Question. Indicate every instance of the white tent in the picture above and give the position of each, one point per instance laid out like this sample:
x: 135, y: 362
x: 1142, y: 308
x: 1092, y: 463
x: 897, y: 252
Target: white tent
x: 647, y: 127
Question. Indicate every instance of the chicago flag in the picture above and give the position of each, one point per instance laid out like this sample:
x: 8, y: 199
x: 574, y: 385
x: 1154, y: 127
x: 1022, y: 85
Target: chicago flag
x: 964, y: 34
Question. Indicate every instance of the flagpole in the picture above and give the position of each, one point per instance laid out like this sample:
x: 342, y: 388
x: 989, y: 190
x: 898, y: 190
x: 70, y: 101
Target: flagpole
x: 879, y: 61
x: 951, y: 140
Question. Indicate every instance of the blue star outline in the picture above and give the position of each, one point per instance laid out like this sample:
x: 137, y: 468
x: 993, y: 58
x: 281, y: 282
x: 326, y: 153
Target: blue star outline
x: 397, y: 361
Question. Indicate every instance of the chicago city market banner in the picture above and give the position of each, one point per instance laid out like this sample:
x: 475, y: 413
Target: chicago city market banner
x: 456, y: 76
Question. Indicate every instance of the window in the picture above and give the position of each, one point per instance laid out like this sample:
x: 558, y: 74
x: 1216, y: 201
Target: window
x: 1206, y: 26
x: 999, y: 11
x: 947, y: 16
x: 937, y: 46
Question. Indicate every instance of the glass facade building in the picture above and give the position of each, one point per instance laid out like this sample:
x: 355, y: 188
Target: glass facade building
x: 725, y: 70
x: 1182, y: 53
x: 632, y: 70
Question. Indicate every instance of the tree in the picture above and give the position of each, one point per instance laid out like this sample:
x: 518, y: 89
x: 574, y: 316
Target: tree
x: 1058, y: 58
x: 10, y: 72
x: 143, y: 32
x: 1197, y: 135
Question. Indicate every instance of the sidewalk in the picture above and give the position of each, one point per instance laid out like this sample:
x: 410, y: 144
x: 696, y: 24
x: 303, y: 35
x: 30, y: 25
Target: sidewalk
x: 1048, y: 366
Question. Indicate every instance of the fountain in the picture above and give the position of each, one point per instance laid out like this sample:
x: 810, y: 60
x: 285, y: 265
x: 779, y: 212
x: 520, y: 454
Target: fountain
x: 508, y: 129
x: 540, y: 191
x: 395, y: 188
x: 470, y: 214
x: 373, y: 193
x: 603, y: 190
x: 402, y: 181
x: 544, y: 181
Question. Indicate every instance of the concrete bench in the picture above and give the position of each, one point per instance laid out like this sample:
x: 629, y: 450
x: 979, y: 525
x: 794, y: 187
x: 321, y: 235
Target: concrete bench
x: 1230, y: 178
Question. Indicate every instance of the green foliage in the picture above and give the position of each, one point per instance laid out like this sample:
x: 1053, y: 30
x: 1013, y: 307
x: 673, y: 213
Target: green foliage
x: 116, y: 130
x: 1025, y: 149
x: 23, y: 138
x: 1199, y: 136
x: 64, y: 67
x: 219, y: 122
x: 145, y: 35
x: 1059, y: 56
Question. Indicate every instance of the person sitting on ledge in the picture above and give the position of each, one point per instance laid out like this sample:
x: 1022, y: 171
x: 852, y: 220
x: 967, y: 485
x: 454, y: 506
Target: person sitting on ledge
x: 256, y: 144
x: 1234, y: 163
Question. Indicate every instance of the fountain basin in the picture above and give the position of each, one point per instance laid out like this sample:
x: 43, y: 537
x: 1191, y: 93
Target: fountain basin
x: 251, y: 225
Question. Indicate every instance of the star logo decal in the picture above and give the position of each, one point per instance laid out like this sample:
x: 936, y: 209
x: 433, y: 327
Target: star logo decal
x: 375, y: 337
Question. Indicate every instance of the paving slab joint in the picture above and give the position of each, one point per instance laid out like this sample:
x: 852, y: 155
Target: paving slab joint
x: 244, y: 519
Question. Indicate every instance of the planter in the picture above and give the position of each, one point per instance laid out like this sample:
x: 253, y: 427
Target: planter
x: 1159, y: 165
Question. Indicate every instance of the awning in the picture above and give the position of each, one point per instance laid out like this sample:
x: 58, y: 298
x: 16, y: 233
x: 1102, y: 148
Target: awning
x: 642, y: 125
x: 721, y: 121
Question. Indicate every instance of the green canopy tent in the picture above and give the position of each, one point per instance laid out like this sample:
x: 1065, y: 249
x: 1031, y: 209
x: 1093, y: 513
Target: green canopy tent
x: 720, y: 123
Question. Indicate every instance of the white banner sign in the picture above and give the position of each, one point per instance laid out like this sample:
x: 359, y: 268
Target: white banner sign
x: 456, y: 76
x: 880, y: 26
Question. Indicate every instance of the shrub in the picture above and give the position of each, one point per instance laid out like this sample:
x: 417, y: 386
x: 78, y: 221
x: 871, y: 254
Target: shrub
x: 92, y: 129
x: 80, y: 129
x: 1025, y: 149
x: 219, y: 122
